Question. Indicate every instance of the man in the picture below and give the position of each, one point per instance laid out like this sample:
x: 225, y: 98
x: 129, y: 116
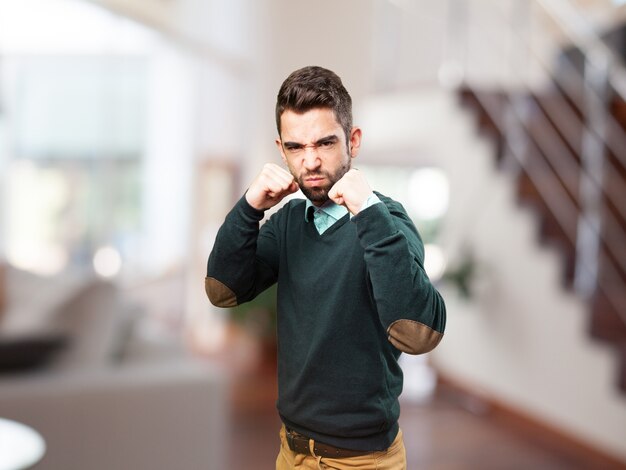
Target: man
x: 352, y: 290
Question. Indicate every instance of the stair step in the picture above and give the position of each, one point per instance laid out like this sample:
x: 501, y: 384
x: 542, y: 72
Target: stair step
x: 560, y: 161
x: 621, y: 381
x: 551, y: 230
x: 618, y: 109
x: 489, y: 110
x: 563, y: 118
x: 613, y: 261
x: 606, y: 324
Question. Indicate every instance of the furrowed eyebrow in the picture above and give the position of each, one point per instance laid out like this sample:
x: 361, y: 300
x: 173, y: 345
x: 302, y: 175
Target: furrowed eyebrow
x: 292, y: 145
x: 330, y: 139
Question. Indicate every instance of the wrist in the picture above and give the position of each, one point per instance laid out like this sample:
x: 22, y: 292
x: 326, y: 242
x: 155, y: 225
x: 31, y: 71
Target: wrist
x: 253, y: 202
x: 370, y: 200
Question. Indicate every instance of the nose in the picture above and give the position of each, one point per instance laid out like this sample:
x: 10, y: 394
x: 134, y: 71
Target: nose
x: 310, y: 159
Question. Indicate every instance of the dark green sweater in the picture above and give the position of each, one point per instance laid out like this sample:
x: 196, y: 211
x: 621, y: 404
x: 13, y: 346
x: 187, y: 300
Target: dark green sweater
x: 349, y: 301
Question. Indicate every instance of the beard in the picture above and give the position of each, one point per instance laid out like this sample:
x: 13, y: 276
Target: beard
x: 319, y: 195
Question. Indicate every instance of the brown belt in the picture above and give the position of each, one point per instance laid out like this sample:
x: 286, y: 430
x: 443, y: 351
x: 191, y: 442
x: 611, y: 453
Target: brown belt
x: 300, y: 444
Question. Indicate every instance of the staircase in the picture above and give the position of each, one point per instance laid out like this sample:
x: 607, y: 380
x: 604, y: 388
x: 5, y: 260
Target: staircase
x: 540, y: 139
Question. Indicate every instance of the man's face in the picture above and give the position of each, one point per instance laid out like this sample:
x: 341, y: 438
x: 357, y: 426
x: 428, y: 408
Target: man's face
x: 313, y: 145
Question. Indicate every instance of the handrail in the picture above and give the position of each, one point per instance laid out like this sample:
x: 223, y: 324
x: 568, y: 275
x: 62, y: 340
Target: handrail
x: 551, y: 147
x: 615, y: 130
x: 565, y: 126
x: 586, y: 39
x: 560, y: 204
x: 616, y: 141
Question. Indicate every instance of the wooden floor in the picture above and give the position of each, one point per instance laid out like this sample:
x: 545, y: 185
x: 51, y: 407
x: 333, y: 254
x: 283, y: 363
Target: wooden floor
x: 445, y: 434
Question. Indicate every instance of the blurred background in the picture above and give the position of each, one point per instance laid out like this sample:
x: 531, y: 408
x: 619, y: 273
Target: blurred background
x: 128, y: 129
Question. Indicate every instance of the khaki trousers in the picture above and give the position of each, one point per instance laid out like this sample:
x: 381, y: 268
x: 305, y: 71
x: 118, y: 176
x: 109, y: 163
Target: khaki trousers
x: 394, y: 458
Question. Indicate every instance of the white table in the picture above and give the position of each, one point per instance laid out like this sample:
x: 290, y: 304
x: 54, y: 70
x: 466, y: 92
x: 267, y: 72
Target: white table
x: 20, y: 446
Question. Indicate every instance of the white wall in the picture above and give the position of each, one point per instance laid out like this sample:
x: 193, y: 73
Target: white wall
x: 167, y: 166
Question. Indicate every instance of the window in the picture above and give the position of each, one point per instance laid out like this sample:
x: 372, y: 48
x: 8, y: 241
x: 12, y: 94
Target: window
x: 73, y: 118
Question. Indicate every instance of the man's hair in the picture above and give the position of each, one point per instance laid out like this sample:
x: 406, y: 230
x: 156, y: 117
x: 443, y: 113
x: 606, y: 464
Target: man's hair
x: 315, y: 87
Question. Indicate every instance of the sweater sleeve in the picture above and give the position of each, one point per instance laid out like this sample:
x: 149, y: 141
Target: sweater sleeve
x: 243, y: 262
x: 410, y: 308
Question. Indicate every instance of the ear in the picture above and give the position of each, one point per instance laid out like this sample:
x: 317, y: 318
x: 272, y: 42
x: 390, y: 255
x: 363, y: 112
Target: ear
x: 279, y: 144
x: 355, y: 141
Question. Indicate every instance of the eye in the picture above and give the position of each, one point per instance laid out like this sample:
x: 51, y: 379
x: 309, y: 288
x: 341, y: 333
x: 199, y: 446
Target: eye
x: 293, y: 147
x: 327, y: 144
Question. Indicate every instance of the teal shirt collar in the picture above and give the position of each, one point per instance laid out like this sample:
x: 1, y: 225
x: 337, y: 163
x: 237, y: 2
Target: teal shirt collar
x: 333, y: 210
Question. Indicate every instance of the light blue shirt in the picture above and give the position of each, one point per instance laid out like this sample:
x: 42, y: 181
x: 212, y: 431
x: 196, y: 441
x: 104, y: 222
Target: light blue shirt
x: 326, y: 215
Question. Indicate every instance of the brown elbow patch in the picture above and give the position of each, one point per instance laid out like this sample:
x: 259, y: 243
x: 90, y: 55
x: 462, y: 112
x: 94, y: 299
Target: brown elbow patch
x: 219, y: 294
x: 413, y: 337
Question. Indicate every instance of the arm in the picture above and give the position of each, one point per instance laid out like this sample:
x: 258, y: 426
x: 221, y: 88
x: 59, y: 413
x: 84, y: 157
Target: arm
x: 410, y: 308
x: 243, y: 262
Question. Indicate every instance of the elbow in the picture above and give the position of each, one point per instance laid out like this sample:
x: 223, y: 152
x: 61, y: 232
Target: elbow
x: 219, y: 294
x: 413, y: 337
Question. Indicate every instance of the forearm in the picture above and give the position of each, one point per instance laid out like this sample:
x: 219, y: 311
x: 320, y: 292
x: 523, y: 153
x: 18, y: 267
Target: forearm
x: 410, y: 308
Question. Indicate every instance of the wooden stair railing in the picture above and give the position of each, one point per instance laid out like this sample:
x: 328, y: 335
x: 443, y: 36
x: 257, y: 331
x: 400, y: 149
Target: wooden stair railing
x: 548, y: 179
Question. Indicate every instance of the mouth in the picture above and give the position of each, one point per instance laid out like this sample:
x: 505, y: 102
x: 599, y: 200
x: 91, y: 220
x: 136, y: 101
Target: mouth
x: 314, y: 180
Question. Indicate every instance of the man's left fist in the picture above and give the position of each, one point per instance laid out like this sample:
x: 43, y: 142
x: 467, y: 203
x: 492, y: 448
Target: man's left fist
x: 352, y: 190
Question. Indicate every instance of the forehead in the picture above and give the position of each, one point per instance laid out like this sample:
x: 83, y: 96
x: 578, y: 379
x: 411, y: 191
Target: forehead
x: 309, y: 126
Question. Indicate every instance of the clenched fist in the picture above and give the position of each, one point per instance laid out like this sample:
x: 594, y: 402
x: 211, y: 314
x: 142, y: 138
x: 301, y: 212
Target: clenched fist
x: 270, y: 187
x: 352, y: 190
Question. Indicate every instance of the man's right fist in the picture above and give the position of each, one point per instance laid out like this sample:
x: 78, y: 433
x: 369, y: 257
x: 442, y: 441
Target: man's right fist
x: 270, y: 187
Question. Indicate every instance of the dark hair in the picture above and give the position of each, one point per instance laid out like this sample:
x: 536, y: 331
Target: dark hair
x: 315, y: 87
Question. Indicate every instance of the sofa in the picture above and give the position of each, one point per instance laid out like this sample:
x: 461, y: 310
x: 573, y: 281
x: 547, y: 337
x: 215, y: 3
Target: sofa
x: 76, y: 368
